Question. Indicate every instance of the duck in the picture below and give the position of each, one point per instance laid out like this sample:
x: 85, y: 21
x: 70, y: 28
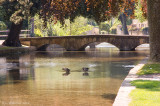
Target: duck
x: 67, y: 71
x: 85, y: 69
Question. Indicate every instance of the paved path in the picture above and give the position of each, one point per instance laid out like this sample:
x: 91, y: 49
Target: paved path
x: 1, y: 41
x: 122, y: 98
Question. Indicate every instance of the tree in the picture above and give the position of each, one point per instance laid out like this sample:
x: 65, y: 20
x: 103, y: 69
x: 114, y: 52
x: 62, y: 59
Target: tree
x: 151, y: 11
x: 109, y: 25
x: 123, y: 19
x: 128, y: 12
x: 154, y: 29
x: 98, y: 10
x: 52, y: 10
x: 16, y: 11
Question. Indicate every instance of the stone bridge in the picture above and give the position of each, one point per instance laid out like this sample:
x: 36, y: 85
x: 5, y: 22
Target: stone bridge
x: 79, y: 43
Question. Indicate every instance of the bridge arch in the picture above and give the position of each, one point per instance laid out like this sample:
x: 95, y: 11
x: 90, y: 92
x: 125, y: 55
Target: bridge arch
x: 94, y: 44
x: 50, y: 47
x: 144, y: 45
x: 42, y: 47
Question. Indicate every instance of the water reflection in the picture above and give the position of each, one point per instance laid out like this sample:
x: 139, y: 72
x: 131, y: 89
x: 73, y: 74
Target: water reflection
x: 38, y: 78
x: 85, y: 74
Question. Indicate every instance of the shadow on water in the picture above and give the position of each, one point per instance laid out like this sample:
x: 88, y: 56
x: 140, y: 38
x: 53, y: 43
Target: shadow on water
x: 12, y: 77
x: 3, y: 82
x: 85, y: 74
x: 15, y: 71
x: 14, y: 74
x: 109, y: 96
x: 91, y: 54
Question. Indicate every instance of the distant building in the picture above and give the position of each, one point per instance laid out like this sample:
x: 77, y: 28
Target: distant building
x: 136, y: 28
x: 138, y: 24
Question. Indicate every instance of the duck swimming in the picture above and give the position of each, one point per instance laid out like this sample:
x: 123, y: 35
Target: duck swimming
x: 85, y: 69
x: 67, y: 71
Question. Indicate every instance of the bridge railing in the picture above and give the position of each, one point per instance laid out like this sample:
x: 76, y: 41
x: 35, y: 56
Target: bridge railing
x: 4, y: 34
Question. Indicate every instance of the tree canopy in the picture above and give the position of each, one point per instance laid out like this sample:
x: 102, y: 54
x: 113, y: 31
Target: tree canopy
x: 99, y: 10
x: 18, y: 10
x: 144, y: 7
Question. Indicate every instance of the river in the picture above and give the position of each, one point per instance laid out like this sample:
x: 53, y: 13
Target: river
x: 37, y: 79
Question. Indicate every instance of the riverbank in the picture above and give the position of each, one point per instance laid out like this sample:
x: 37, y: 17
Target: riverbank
x: 122, y: 98
x: 14, y: 50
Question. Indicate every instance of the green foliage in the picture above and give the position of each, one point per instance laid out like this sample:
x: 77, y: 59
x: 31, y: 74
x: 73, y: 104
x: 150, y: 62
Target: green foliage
x: 146, y: 93
x: 139, y: 13
x: 2, y: 26
x: 114, y: 22
x: 5, y: 24
x: 150, y: 69
x: 104, y: 27
x: 38, y: 33
x: 92, y: 22
x: 129, y: 21
x: 38, y: 26
x: 109, y: 25
x: 18, y: 10
x: 78, y: 27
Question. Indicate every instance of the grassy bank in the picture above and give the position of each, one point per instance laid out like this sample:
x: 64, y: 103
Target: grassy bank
x: 150, y: 69
x: 14, y: 50
x: 147, y: 93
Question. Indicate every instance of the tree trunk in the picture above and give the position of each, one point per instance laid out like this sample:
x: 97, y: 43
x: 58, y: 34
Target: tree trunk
x: 123, y: 20
x: 13, y: 36
x: 32, y: 27
x: 154, y: 29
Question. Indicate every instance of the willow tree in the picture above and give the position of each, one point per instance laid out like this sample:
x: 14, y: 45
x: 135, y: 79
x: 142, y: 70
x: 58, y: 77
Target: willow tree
x: 16, y: 11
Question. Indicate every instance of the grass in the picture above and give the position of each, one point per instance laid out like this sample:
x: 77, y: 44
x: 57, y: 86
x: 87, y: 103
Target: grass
x: 5, y: 48
x: 147, y: 93
x: 149, y: 69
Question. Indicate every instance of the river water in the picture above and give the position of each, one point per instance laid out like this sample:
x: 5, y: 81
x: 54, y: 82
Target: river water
x: 37, y: 79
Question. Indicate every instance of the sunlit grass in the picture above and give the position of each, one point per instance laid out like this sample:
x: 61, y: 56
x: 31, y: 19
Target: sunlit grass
x: 147, y: 93
x: 149, y: 69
